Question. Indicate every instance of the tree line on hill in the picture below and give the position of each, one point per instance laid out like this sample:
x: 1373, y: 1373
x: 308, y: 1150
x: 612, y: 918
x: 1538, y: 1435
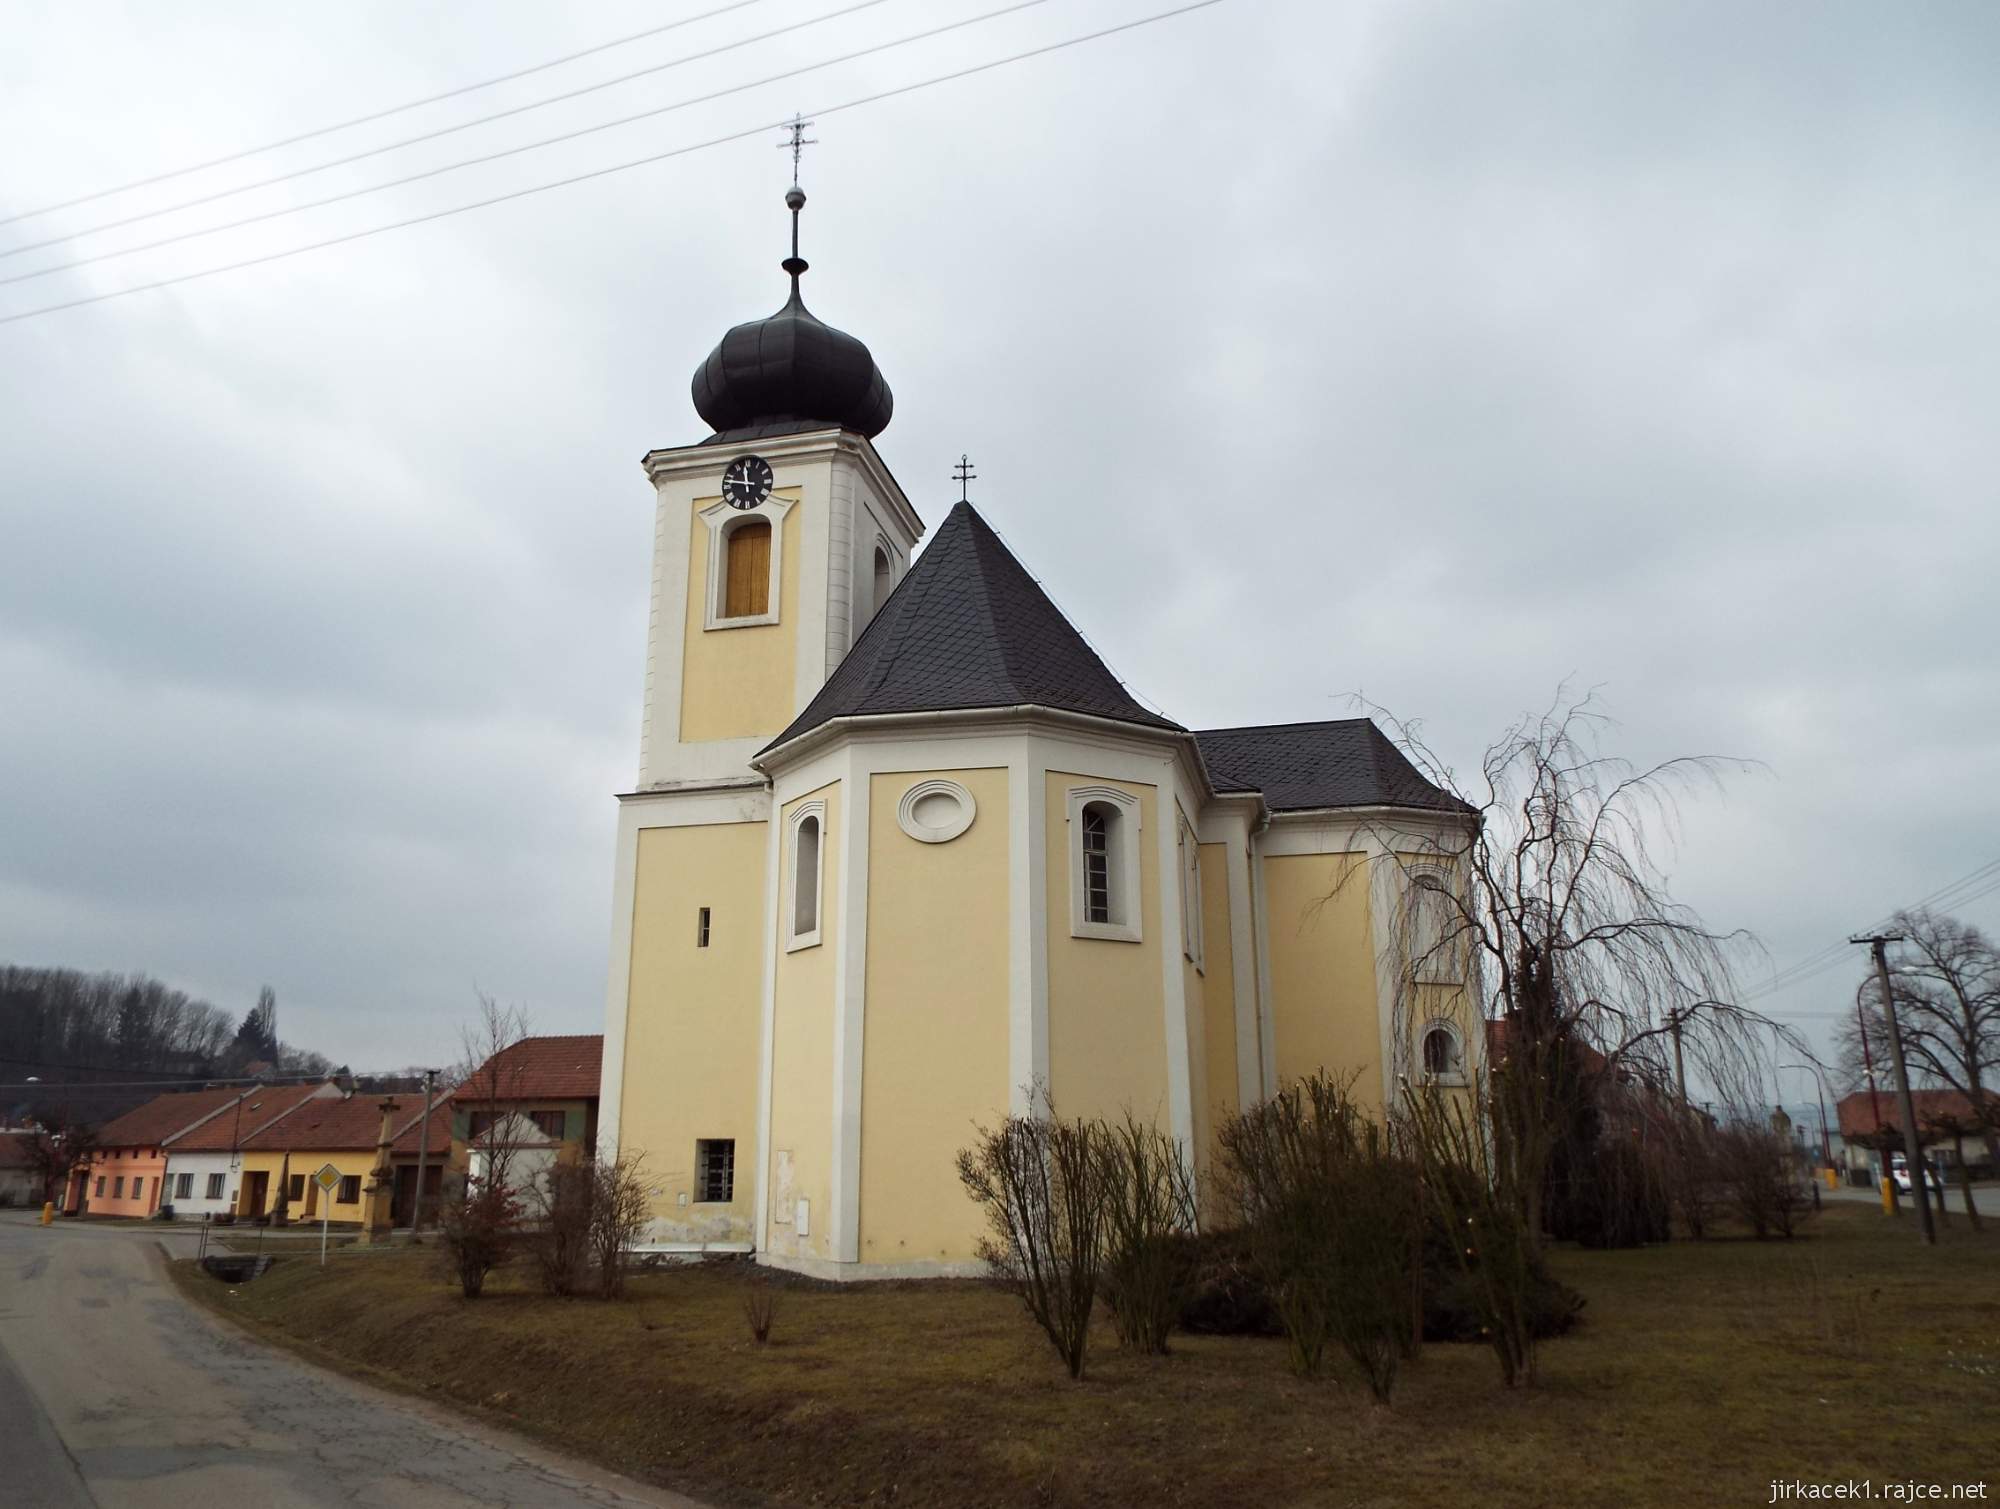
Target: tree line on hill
x: 75, y: 1032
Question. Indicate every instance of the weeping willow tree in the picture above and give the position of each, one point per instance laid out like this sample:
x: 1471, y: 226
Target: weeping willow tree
x: 1536, y: 951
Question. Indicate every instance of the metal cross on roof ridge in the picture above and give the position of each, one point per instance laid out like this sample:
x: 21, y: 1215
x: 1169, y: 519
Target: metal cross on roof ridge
x: 798, y: 141
x: 963, y: 474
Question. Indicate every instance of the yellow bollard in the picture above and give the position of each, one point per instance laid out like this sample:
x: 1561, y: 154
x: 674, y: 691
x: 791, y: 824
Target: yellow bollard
x: 48, y: 1212
x: 1832, y: 1179
x: 1888, y: 1197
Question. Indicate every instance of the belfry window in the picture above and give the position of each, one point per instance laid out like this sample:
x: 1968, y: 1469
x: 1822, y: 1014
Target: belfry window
x: 747, y: 570
x: 884, y: 581
x: 807, y: 868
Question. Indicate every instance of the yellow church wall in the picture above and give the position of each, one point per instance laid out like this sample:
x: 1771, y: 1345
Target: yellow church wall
x: 937, y: 1018
x: 693, y: 1028
x: 1323, y: 1003
x: 1107, y: 1037
x: 740, y: 682
x: 1216, y: 1099
x: 802, y: 1053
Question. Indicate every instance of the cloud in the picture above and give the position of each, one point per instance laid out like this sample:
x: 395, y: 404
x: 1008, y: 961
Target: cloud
x: 1433, y: 351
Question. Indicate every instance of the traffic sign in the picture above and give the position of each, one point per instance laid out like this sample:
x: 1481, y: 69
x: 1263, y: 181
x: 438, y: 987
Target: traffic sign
x: 327, y: 1178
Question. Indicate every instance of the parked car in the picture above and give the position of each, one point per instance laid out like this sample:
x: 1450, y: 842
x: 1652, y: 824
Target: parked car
x: 1900, y: 1172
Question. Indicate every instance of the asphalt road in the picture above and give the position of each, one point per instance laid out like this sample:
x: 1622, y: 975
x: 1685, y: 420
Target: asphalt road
x: 115, y: 1392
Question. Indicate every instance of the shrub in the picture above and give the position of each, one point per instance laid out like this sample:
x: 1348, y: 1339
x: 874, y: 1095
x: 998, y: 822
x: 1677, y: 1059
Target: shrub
x: 477, y: 1228
x: 619, y: 1211
x: 1149, y: 1205
x: 563, y: 1206
x: 760, y: 1308
x: 1332, y: 1224
x: 1039, y: 1179
x: 1761, y: 1173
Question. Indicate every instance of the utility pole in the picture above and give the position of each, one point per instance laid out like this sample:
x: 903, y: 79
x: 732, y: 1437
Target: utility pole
x: 423, y: 1154
x: 1680, y: 1067
x: 1913, y: 1156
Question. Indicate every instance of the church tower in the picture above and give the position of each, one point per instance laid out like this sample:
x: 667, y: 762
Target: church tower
x: 776, y: 539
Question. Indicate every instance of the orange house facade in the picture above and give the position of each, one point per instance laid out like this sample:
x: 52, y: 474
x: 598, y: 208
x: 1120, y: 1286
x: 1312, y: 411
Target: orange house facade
x: 126, y: 1174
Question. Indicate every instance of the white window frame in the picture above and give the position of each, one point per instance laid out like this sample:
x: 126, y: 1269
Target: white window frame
x: 1127, y: 888
x: 723, y: 521
x: 1193, y: 946
x: 1450, y: 1030
x: 795, y: 940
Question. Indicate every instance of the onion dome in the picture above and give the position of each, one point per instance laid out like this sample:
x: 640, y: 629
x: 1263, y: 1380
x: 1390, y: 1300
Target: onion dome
x: 791, y: 370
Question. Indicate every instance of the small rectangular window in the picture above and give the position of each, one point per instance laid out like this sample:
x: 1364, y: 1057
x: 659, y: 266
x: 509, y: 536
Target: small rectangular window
x: 549, y: 1123
x: 184, y: 1186
x: 118, y: 1188
x: 215, y: 1186
x: 350, y: 1188
x: 296, y: 1191
x: 715, y: 1170
x: 100, y: 1186
x: 701, y: 929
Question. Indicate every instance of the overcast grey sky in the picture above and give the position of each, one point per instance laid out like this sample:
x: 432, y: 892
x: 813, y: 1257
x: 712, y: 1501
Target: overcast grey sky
x: 1435, y: 351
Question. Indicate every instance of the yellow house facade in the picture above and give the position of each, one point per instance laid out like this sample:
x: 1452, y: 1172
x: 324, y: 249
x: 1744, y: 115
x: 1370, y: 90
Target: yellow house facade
x: 904, y: 857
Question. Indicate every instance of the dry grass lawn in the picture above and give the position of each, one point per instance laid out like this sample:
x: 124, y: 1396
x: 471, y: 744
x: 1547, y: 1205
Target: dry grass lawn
x: 1701, y: 1372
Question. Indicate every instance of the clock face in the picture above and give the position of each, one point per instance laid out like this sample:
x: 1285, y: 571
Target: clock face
x: 746, y: 482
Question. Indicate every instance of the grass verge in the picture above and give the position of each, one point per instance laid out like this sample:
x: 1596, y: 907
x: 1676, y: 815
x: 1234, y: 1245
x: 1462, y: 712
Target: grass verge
x: 1702, y: 1372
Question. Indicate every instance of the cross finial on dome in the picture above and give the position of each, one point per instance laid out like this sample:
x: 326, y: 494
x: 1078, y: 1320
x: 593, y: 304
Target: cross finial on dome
x: 795, y: 197
x: 963, y: 474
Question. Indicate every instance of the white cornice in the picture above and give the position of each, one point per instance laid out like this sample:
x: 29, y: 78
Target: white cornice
x: 808, y: 445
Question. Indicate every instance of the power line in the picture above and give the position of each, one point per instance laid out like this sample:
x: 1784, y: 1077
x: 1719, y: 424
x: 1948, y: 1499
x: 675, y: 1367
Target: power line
x: 362, y: 120
x: 638, y: 162
x: 472, y: 162
x: 411, y: 141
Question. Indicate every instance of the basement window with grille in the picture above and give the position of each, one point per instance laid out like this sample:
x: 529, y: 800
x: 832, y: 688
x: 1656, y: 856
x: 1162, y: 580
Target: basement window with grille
x: 715, y: 1170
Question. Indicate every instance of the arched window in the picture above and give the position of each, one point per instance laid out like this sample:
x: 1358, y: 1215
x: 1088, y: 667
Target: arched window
x: 805, y: 881
x: 883, y: 582
x: 1104, y: 863
x: 1442, y: 1059
x: 1098, y: 821
x: 747, y: 570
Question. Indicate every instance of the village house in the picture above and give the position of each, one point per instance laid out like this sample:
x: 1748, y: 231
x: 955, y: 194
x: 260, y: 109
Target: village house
x: 1871, y: 1132
x: 125, y: 1174
x: 530, y: 1106
x: 203, y: 1163
x: 348, y: 1133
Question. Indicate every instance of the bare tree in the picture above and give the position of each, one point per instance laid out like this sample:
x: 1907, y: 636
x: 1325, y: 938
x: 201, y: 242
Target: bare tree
x: 62, y: 1139
x: 480, y: 1219
x: 1539, y: 892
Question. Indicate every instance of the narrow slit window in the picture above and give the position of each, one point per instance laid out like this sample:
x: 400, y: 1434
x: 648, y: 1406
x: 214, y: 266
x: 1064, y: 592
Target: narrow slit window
x: 701, y: 929
x: 882, y: 581
x: 747, y: 583
x: 1096, y: 864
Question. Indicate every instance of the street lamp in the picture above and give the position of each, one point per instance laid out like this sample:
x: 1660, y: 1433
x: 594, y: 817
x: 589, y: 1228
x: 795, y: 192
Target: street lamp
x: 1819, y: 1088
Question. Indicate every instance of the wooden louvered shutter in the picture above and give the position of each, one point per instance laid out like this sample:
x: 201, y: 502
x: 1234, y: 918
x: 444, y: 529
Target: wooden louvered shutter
x: 748, y: 589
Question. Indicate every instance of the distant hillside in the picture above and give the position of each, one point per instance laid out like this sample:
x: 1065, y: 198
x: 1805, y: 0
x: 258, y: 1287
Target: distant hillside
x: 96, y: 1041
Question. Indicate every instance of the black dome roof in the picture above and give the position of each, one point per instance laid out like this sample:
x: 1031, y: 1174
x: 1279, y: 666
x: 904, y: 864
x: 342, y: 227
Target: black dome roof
x: 792, y: 368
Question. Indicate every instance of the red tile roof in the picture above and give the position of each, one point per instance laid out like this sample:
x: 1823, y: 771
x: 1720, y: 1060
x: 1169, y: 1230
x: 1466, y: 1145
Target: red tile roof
x: 259, y: 1108
x: 163, y: 1117
x: 540, y: 1068
x: 438, y: 1140
x: 1858, y: 1112
x: 336, y: 1125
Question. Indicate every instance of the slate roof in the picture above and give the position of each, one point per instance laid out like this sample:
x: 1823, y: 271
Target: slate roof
x: 337, y: 1125
x: 163, y: 1117
x: 259, y: 1109
x: 1346, y: 762
x: 541, y: 1068
x: 968, y: 627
